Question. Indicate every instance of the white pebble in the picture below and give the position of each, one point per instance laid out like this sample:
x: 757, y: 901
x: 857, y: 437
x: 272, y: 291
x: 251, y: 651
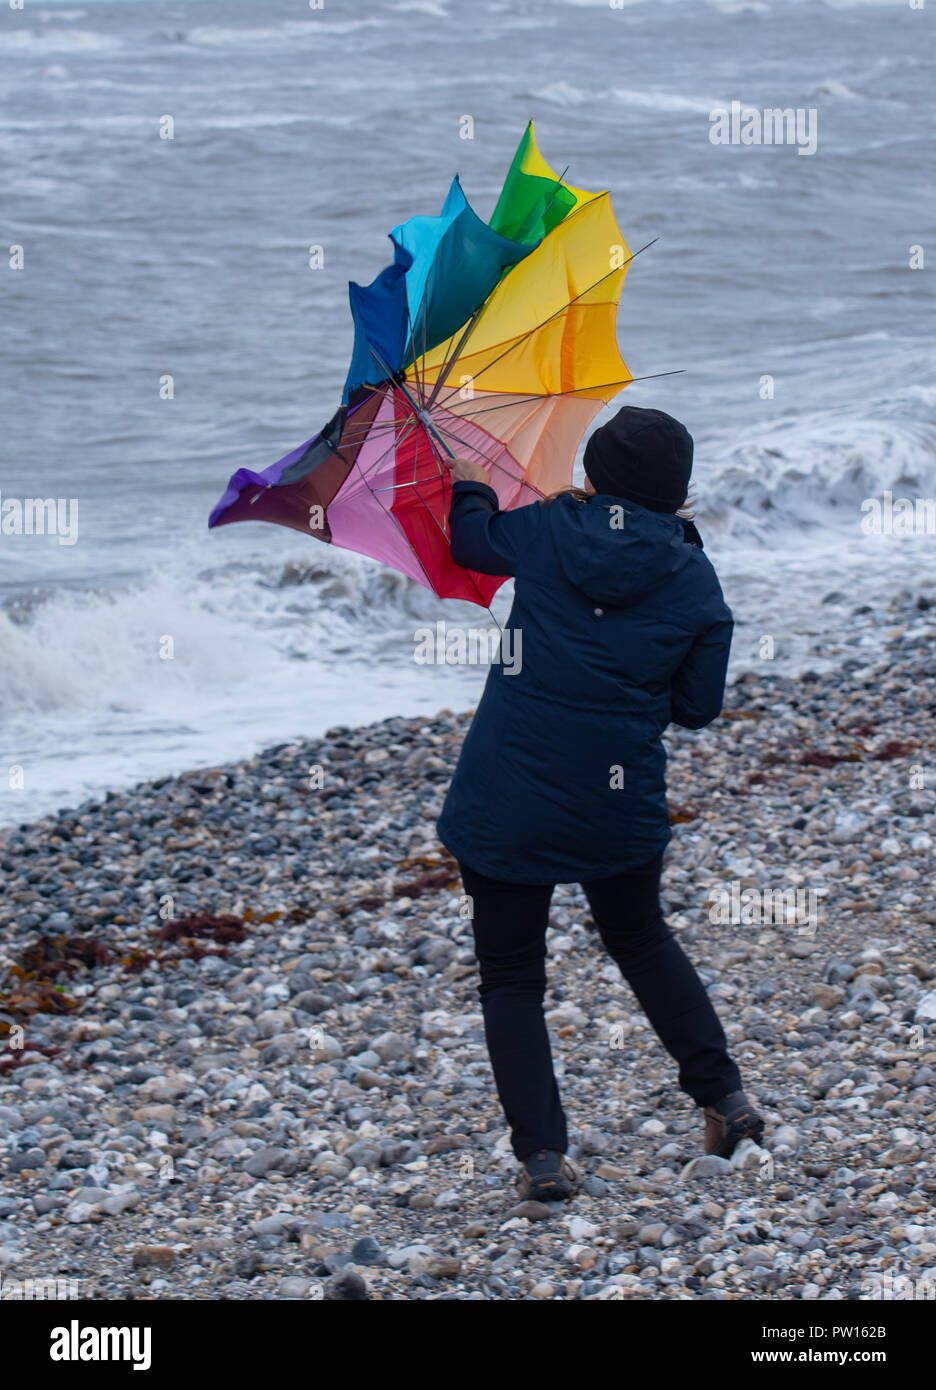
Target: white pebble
x: 652, y: 1127
x: 581, y: 1230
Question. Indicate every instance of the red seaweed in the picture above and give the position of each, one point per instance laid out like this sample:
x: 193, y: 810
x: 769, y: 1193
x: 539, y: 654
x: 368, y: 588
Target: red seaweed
x: 224, y: 928
x: 893, y: 749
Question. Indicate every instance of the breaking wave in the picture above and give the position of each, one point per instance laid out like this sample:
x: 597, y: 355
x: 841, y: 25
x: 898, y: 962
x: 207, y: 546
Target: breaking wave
x: 798, y: 475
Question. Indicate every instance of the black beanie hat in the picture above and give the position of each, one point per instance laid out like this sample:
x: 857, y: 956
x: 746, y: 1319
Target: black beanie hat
x: 643, y: 455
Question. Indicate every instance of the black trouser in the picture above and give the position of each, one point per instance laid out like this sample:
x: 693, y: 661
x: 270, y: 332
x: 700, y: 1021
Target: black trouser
x: 509, y: 922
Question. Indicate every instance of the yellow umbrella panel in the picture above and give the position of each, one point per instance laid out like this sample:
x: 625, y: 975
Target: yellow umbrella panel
x: 540, y: 359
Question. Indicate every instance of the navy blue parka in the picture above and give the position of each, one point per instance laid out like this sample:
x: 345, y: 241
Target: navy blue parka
x: 618, y: 627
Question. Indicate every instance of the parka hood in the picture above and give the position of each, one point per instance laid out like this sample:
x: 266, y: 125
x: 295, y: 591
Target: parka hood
x: 615, y: 551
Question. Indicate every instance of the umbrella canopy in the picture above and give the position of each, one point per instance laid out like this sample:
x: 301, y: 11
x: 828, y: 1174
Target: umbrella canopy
x: 533, y: 200
x: 494, y: 342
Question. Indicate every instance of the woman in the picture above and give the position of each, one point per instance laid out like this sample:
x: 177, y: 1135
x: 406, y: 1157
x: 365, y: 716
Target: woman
x: 622, y: 629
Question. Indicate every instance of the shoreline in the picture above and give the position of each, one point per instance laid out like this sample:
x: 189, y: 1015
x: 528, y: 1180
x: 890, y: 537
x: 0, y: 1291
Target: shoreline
x: 279, y: 1086
x: 210, y: 713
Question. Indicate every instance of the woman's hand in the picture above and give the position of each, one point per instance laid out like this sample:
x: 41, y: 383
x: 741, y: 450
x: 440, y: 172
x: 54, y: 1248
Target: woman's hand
x: 463, y: 470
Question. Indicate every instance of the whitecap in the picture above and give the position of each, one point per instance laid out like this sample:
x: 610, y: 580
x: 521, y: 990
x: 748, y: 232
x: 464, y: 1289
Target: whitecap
x: 796, y: 474
x: 435, y: 8
x: 665, y: 101
x: 865, y: 4
x: 21, y: 41
x: 262, y: 651
x: 219, y: 36
x: 740, y: 6
x: 833, y: 88
x: 563, y: 94
x: 50, y: 16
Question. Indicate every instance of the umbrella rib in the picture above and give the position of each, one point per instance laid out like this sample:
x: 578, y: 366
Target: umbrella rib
x: 396, y: 521
x: 381, y: 458
x: 450, y: 359
x: 399, y: 432
x: 419, y: 408
x: 412, y: 338
x: 448, y: 539
x: 417, y: 419
x: 440, y: 429
x: 492, y: 462
x: 363, y: 429
x: 525, y: 397
x: 519, y: 398
x: 390, y: 427
x: 384, y: 427
x: 401, y: 385
x: 395, y: 487
x: 408, y: 427
x: 393, y: 427
x: 465, y: 445
x: 417, y: 355
x: 561, y: 310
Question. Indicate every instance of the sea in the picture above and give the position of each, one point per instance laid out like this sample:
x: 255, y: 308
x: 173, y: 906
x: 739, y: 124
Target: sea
x: 165, y: 169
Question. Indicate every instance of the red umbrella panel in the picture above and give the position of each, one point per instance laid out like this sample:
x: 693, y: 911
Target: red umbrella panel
x: 374, y: 482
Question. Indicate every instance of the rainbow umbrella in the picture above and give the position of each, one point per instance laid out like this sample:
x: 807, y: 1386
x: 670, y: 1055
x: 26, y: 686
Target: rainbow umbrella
x: 495, y: 342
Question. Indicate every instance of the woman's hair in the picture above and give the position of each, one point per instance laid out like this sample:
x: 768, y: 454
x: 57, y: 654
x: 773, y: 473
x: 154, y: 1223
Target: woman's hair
x: 578, y: 493
x: 686, y: 511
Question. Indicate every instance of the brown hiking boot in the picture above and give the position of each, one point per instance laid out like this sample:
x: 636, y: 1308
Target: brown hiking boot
x: 729, y: 1121
x: 547, y: 1176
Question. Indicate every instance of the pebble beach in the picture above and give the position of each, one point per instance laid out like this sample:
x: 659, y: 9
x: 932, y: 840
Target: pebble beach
x: 242, y: 1055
